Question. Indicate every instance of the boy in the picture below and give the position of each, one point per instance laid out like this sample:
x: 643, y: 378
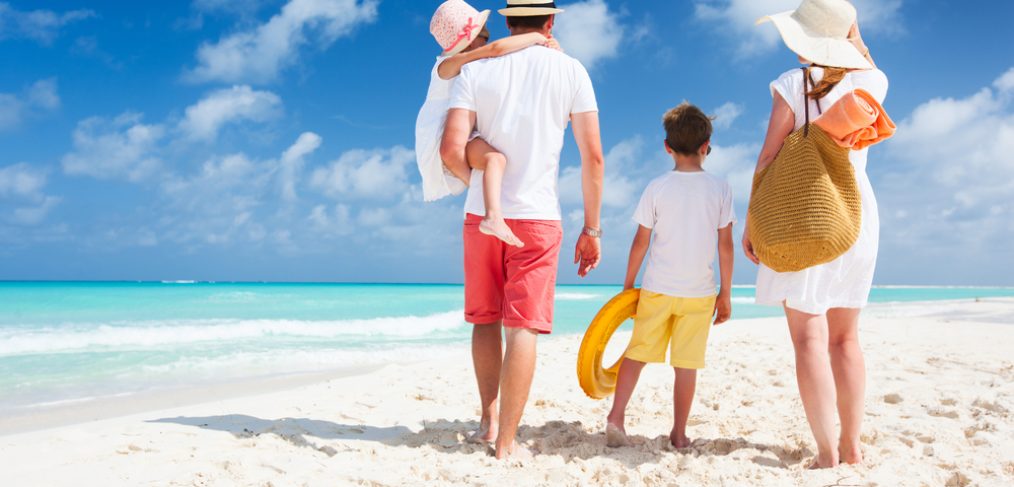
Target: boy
x: 690, y: 213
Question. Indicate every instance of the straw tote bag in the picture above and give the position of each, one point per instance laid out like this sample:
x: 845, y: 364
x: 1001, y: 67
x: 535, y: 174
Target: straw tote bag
x: 805, y: 209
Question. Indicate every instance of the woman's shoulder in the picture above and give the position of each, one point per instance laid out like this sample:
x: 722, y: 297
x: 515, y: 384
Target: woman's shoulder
x: 871, y: 80
x: 791, y: 76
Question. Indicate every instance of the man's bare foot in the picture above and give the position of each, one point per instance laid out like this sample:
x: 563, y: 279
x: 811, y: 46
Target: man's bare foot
x: 679, y: 440
x: 498, y: 228
x: 481, y: 435
x: 850, y: 454
x: 616, y: 436
x: 515, y: 452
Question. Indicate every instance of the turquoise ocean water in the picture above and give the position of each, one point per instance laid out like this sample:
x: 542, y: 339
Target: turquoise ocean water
x: 63, y: 342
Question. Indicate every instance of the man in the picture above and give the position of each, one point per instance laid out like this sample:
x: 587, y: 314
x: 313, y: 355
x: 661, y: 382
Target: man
x: 521, y: 104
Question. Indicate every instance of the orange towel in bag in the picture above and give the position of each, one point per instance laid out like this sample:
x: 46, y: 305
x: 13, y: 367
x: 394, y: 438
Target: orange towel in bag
x: 856, y: 121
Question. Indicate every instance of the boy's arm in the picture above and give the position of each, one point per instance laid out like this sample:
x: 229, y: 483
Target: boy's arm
x: 638, y: 248
x: 589, y: 143
x: 723, y: 304
x: 451, y: 66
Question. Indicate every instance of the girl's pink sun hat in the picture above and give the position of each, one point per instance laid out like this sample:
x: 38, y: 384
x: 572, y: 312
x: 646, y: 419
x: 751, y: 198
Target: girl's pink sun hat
x: 456, y: 24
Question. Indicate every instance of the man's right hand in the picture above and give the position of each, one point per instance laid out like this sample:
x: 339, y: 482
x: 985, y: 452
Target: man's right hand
x: 587, y: 254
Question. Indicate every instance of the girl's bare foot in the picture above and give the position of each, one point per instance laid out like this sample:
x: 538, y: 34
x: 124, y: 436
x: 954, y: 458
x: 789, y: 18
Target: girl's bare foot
x: 679, y: 440
x: 850, y: 454
x: 616, y: 436
x: 498, y: 228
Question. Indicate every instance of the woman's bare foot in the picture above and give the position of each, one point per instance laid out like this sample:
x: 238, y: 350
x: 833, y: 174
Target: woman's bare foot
x: 679, y: 440
x: 819, y: 463
x: 515, y: 452
x: 498, y: 228
x: 851, y: 454
x: 616, y: 436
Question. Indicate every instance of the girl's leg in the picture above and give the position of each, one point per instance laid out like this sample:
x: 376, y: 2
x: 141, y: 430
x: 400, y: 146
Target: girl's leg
x: 816, y: 381
x: 849, y: 379
x: 626, y: 380
x: 483, y: 156
x: 684, y: 386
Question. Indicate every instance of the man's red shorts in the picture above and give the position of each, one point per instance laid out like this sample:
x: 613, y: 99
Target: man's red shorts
x: 516, y: 285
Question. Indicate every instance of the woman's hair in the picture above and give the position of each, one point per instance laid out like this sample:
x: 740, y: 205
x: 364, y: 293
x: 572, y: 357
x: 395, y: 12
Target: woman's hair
x: 832, y: 76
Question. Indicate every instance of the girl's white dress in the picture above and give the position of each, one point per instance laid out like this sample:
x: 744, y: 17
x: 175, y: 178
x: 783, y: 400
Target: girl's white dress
x: 437, y: 181
x: 846, y: 281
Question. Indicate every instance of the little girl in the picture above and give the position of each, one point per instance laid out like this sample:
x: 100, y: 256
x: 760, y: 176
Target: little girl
x: 461, y: 31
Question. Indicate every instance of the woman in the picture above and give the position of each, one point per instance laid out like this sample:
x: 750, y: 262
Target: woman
x: 822, y: 303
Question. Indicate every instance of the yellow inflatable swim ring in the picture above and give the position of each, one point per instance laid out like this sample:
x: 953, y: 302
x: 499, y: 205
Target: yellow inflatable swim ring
x: 599, y: 383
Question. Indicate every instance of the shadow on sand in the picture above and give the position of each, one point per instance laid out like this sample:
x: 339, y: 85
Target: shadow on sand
x: 569, y: 440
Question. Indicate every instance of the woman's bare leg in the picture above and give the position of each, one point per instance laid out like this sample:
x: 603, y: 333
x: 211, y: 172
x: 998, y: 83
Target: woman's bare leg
x: 816, y: 381
x: 849, y: 379
x: 483, y: 156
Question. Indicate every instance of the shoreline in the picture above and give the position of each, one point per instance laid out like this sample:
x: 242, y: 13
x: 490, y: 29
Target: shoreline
x: 939, y: 412
x: 69, y: 412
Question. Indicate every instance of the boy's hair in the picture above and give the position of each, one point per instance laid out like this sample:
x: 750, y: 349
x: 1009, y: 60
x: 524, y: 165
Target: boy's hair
x: 527, y: 21
x: 687, y: 128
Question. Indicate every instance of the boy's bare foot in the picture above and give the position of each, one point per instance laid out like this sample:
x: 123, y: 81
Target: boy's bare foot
x: 679, y: 440
x: 616, y: 436
x: 850, y: 454
x: 516, y: 452
x: 498, y: 228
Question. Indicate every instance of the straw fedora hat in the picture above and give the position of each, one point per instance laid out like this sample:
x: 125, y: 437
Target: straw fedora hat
x: 528, y: 8
x: 456, y: 24
x: 818, y: 31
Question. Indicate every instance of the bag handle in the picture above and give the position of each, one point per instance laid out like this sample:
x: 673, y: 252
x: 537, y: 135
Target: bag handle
x: 808, y: 77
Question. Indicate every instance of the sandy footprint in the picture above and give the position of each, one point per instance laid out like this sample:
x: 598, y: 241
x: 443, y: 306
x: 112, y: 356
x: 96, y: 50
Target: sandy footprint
x: 943, y: 413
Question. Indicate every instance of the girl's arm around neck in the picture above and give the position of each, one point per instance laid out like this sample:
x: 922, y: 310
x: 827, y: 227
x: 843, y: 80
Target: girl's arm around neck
x: 451, y: 66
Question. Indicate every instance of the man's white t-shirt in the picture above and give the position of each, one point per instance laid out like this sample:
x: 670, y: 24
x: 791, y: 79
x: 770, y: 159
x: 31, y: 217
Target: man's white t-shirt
x: 684, y: 210
x: 523, y: 103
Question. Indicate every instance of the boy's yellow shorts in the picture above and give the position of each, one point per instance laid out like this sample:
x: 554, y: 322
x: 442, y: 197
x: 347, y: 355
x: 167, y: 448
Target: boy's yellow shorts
x: 681, y: 323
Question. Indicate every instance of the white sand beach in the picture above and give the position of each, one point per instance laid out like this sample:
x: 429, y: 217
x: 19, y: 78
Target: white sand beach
x: 940, y: 403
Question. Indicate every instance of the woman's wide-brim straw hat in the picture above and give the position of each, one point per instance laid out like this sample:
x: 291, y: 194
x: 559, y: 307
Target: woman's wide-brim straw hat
x: 528, y: 8
x: 456, y: 24
x: 818, y: 31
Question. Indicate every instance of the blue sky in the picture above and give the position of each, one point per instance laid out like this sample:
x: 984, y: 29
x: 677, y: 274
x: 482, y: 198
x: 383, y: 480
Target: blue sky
x: 271, y: 139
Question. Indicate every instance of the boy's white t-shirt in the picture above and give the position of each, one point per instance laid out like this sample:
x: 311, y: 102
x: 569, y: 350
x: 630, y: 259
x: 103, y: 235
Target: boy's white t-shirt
x: 523, y: 103
x: 684, y: 210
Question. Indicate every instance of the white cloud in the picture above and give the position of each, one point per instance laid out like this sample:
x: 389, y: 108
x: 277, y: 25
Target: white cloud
x: 948, y: 176
x: 21, y: 188
x: 21, y: 180
x: 623, y: 176
x: 33, y: 215
x: 369, y: 174
x: 205, y: 118
x: 39, y: 98
x: 235, y: 7
x: 121, y: 148
x: 258, y: 55
x: 42, y: 26
x: 726, y: 115
x: 736, y: 164
x: 737, y: 19
x: 291, y: 164
x: 589, y: 31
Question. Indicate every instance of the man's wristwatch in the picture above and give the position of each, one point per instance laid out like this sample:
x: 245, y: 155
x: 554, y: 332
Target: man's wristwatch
x: 592, y: 232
